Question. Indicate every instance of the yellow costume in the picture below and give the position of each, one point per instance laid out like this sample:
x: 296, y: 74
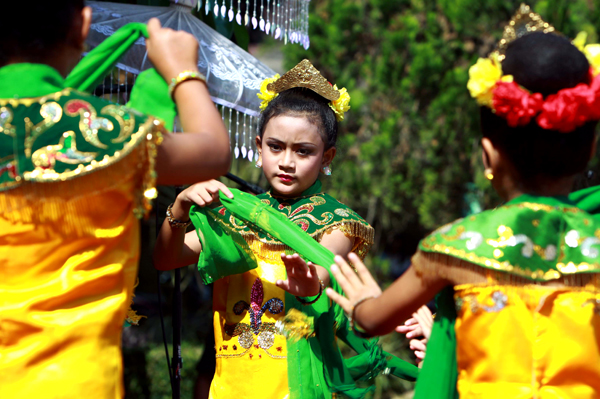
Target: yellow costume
x: 75, y: 171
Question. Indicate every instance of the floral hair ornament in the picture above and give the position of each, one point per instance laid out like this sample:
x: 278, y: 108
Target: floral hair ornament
x: 307, y: 76
x: 563, y: 111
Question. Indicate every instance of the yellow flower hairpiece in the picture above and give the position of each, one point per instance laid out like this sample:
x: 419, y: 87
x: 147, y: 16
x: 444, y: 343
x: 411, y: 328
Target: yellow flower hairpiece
x: 265, y: 94
x: 342, y: 104
x: 483, y: 77
x: 591, y: 51
x: 305, y: 75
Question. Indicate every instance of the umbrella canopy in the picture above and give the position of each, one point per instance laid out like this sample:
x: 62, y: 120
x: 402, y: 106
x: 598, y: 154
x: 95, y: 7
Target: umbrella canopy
x: 233, y: 76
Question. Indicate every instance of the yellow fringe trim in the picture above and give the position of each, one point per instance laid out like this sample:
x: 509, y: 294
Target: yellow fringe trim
x: 460, y: 272
x: 69, y: 201
x: 272, y: 250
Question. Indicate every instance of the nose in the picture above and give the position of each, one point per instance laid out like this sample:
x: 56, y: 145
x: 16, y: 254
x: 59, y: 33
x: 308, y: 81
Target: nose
x: 286, y: 162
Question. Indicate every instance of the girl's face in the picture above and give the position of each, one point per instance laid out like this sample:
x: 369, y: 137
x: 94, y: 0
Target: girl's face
x: 293, y: 154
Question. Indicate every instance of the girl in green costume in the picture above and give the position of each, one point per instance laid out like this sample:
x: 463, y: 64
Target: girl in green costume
x: 518, y: 287
x: 256, y: 283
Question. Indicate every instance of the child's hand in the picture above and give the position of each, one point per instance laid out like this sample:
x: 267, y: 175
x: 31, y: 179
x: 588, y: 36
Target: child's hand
x: 201, y: 194
x: 419, y: 325
x: 171, y: 52
x: 419, y: 347
x: 302, y: 278
x: 356, y: 286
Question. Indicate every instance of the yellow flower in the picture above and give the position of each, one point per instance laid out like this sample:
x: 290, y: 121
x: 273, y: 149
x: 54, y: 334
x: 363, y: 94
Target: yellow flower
x: 265, y: 95
x: 342, y: 104
x: 592, y: 52
x: 483, y: 77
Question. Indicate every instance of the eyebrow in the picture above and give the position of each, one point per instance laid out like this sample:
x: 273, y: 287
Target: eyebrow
x: 277, y: 141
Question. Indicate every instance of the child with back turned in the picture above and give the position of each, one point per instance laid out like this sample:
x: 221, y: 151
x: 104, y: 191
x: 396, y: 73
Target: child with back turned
x: 75, y: 172
x: 519, y: 304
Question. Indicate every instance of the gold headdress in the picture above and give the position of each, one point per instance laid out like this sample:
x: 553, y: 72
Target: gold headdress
x: 523, y: 22
x: 307, y: 76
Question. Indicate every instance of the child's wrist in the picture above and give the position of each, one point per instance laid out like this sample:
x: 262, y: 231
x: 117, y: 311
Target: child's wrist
x: 181, y: 209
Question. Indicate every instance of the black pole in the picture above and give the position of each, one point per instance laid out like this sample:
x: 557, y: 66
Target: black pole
x: 177, y: 362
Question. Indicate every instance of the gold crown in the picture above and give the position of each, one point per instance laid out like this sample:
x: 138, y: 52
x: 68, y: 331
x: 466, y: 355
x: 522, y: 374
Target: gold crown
x: 305, y: 75
x: 522, y: 23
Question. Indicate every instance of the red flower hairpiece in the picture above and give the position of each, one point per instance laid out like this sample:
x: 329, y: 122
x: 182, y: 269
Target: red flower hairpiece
x: 564, y: 111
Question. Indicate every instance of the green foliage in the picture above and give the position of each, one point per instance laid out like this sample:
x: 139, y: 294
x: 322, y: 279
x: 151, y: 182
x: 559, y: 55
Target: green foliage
x: 409, y: 153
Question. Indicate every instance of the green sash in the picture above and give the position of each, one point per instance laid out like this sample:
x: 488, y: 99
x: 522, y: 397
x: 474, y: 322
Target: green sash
x: 315, y: 365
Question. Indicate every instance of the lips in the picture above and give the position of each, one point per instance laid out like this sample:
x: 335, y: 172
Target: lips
x: 285, y: 178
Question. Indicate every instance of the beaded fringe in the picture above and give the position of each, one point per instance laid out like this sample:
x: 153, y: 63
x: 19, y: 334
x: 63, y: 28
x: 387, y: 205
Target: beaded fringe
x: 68, y: 201
x: 272, y: 250
x: 457, y: 272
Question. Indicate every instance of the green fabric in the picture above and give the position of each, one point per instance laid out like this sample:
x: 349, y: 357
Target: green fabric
x: 439, y: 374
x: 588, y: 200
x: 93, y: 68
x: 150, y: 95
x: 29, y: 80
x: 315, y: 365
x: 536, y: 238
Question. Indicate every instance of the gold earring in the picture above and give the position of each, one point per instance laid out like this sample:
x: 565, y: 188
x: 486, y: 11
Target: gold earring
x: 489, y: 176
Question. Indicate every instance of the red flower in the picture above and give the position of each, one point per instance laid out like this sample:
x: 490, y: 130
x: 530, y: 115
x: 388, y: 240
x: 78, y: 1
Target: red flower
x: 570, y: 108
x: 515, y: 104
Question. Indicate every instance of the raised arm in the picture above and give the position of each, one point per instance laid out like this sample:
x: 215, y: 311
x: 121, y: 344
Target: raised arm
x: 174, y: 247
x: 203, y: 151
x: 376, y: 312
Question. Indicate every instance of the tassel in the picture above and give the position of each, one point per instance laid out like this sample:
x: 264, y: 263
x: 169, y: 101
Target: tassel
x: 246, y: 17
x: 261, y: 23
x: 238, y: 16
x: 268, y: 24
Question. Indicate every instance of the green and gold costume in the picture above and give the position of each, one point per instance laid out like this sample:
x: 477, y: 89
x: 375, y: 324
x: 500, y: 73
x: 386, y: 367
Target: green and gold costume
x: 242, y: 244
x: 76, y: 172
x: 525, y: 322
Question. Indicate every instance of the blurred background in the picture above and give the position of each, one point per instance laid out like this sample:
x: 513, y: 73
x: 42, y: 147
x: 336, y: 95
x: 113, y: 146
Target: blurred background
x: 408, y: 155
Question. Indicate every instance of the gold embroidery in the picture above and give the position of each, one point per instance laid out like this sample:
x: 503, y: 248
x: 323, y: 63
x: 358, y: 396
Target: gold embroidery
x: 15, y: 102
x: 52, y: 113
x: 89, y: 122
x: 125, y: 119
x: 46, y: 157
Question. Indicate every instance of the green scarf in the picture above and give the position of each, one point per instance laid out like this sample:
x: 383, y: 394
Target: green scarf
x: 545, y: 221
x: 315, y: 365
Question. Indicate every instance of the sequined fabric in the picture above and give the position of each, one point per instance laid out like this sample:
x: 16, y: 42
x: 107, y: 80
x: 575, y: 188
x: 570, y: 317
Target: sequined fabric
x: 527, y: 342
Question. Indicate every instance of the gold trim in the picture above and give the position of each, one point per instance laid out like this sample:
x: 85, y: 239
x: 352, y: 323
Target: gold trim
x: 523, y: 22
x: 307, y: 76
x: 146, y: 129
x: 15, y: 102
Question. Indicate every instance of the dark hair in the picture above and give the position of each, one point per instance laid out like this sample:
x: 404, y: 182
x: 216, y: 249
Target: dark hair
x: 542, y: 63
x: 303, y: 102
x: 36, y: 27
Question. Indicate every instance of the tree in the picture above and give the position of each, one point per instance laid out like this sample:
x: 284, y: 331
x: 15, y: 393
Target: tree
x: 409, y: 150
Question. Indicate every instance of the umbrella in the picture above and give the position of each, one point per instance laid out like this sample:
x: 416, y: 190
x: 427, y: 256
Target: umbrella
x: 283, y: 19
x: 233, y: 76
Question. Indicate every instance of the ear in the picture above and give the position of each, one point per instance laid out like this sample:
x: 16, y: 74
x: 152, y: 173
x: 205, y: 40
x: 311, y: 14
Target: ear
x: 489, y: 155
x: 259, y: 145
x: 328, y: 156
x: 86, y: 22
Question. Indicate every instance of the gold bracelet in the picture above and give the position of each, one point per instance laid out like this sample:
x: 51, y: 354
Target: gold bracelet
x: 183, y: 77
x: 355, y: 327
x: 321, y: 289
x: 174, y: 222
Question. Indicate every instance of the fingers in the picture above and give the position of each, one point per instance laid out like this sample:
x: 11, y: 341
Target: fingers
x: 349, y: 274
x: 418, y: 345
x: 217, y: 186
x: 153, y: 26
x: 340, y: 277
x: 361, y: 269
x: 295, y: 265
x: 344, y: 303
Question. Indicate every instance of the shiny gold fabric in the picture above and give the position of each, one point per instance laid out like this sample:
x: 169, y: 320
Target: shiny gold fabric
x: 531, y: 341
x: 68, y: 262
x: 250, y: 365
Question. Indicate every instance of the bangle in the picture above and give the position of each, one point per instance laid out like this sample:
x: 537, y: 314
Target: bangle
x: 174, y: 222
x: 355, y: 327
x: 183, y: 77
x: 321, y: 289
